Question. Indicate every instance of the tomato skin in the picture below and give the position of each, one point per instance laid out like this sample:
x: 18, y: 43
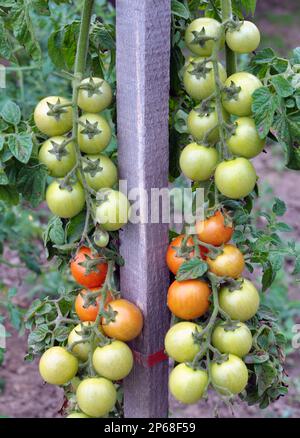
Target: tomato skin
x: 64, y: 203
x: 128, y: 322
x: 198, y: 162
x: 94, y: 278
x: 230, y: 263
x: 106, y: 177
x: 101, y: 238
x: 231, y: 376
x: 242, y: 105
x: 212, y: 28
x: 77, y: 415
x: 245, y: 142
x: 114, y: 211
x: 97, y: 101
x: 237, y: 341
x: 188, y: 299
x: 246, y: 39
x: 96, y: 396
x: 187, y: 385
x: 49, y: 124
x: 89, y: 313
x: 198, y: 125
x: 113, y: 361
x: 203, y: 87
x: 57, y: 366
x: 213, y: 230
x: 97, y: 142
x: 175, y: 262
x: 81, y: 351
x: 57, y: 167
x: 235, y: 178
x: 240, y: 304
x: 179, y: 341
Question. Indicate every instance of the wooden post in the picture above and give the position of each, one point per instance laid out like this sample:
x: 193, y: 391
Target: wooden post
x: 143, y: 56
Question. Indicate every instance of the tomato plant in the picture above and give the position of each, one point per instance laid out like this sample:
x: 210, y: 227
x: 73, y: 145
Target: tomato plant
x: 126, y: 322
x: 113, y: 361
x: 87, y: 270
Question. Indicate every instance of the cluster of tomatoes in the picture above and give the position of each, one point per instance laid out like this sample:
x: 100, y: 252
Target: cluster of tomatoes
x: 97, y: 341
x: 209, y: 351
x: 65, y: 195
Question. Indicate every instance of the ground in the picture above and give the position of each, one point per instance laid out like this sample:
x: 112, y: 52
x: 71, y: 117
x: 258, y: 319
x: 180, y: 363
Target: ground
x: 25, y: 395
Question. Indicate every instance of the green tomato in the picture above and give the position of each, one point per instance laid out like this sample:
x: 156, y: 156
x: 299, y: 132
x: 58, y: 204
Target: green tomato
x: 113, y: 210
x: 101, y: 238
x: 82, y: 350
x: 187, y: 385
x: 229, y: 377
x: 199, y: 124
x: 59, y: 160
x: 240, y: 304
x: 96, y: 397
x: 53, y: 123
x: 235, y: 178
x: 198, y: 78
x: 77, y: 415
x: 94, y: 95
x: 240, y: 103
x: 245, y: 141
x: 246, y: 39
x: 198, y: 162
x: 206, y: 27
x: 63, y: 202
x: 57, y: 366
x: 113, y: 361
x: 100, y: 172
x: 179, y: 342
x: 94, y: 133
x: 236, y: 340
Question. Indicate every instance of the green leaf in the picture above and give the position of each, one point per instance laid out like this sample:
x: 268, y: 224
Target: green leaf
x: 180, y: 122
x: 279, y: 207
x: 265, y: 56
x: 268, y: 276
x: 5, y: 46
x: 62, y: 46
x: 21, y: 146
x: 61, y: 333
x: 56, y: 233
x: 295, y: 59
x: 31, y: 183
x: 179, y: 9
x: 263, y: 107
x: 9, y: 195
x: 3, y: 177
x: 282, y: 86
x: 11, y: 113
x: 257, y: 357
x: 75, y: 227
x: 38, y: 335
x: 103, y: 36
x: 190, y: 269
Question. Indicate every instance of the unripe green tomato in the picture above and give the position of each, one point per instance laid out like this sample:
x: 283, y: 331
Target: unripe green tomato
x: 198, y: 162
x: 96, y: 396
x: 246, y: 39
x: 81, y: 351
x: 104, y: 178
x: 55, y: 124
x: 77, y: 415
x: 63, y: 202
x: 229, y: 377
x: 240, y: 304
x: 201, y: 85
x: 101, y: 238
x: 113, y: 211
x: 187, y: 385
x: 241, y: 103
x: 179, y: 341
x: 93, y: 142
x: 245, y: 141
x: 198, y: 125
x: 237, y: 341
x: 61, y: 164
x: 212, y: 28
x: 113, y: 361
x: 57, y: 366
x: 94, y: 101
x: 235, y: 178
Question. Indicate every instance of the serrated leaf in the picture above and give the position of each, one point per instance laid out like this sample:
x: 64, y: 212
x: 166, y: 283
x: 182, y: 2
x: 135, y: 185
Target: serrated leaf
x: 56, y: 233
x: 279, y: 207
x: 282, y: 86
x: 9, y: 195
x: 265, y: 56
x: 21, y: 146
x: 31, y: 183
x: 11, y: 113
x: 179, y: 9
x: 194, y: 268
x: 5, y: 46
x: 3, y: 177
x: 263, y: 107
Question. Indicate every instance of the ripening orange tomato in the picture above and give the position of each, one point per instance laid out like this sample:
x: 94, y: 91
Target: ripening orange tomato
x: 173, y: 261
x: 128, y: 321
x: 213, y: 230
x: 92, y: 279
x: 188, y: 299
x: 89, y: 313
x: 230, y: 263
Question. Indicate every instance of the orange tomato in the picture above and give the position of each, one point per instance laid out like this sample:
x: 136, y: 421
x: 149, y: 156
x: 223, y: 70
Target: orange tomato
x: 213, y: 230
x: 128, y: 322
x: 188, y: 299
x: 173, y: 260
x: 94, y: 278
x: 89, y: 313
x: 230, y: 263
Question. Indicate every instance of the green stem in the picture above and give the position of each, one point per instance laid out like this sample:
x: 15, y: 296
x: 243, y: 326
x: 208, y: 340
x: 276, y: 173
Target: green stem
x: 230, y: 55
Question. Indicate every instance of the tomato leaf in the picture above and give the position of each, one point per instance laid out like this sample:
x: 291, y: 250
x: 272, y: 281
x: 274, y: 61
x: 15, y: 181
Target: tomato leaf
x: 194, y: 268
x: 11, y: 113
x: 264, y: 106
x: 21, y: 146
x: 279, y: 207
x: 179, y: 9
x: 282, y: 86
x: 32, y: 182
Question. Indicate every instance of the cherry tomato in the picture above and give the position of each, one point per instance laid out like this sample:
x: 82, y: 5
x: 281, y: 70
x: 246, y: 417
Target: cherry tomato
x: 240, y: 304
x: 101, y: 238
x: 180, y: 344
x: 235, y: 178
x: 57, y: 366
x: 113, y: 361
x: 96, y: 396
x: 49, y: 119
x: 241, y: 102
x: 186, y: 384
x: 199, y: 123
x: 59, y: 160
x: 89, y: 313
x: 96, y: 277
x: 231, y: 376
x: 94, y: 133
x: 213, y: 230
x: 236, y: 340
x: 65, y: 202
x: 94, y: 95
x: 188, y: 299
x: 202, y: 26
x: 81, y: 350
x: 173, y: 261
x: 100, y: 172
x: 245, y: 141
x: 113, y: 210
x: 198, y: 162
x: 245, y: 39
x: 230, y: 263
x: 128, y: 322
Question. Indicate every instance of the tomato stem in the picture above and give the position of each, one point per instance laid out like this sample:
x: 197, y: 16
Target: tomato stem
x: 230, y: 55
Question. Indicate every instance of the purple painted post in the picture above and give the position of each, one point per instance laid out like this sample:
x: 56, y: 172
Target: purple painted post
x: 143, y: 56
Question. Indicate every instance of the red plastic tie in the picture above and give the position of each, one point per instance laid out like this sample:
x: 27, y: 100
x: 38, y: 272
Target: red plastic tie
x: 151, y: 360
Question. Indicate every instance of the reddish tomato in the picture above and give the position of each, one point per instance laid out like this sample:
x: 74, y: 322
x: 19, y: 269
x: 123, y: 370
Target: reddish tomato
x: 188, y: 299
x: 230, y: 263
x: 213, y: 230
x: 128, y: 321
x: 89, y: 313
x: 173, y: 261
x: 94, y: 278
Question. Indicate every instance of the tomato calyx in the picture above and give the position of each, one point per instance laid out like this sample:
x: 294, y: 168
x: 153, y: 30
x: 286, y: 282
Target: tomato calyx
x: 231, y: 92
x: 201, y: 38
x: 92, y: 87
x: 67, y: 183
x: 232, y: 25
x: 59, y: 149
x: 205, y: 108
x: 90, y: 129
x: 56, y: 109
x: 229, y: 325
x: 92, y: 166
x: 200, y: 69
x: 233, y: 284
